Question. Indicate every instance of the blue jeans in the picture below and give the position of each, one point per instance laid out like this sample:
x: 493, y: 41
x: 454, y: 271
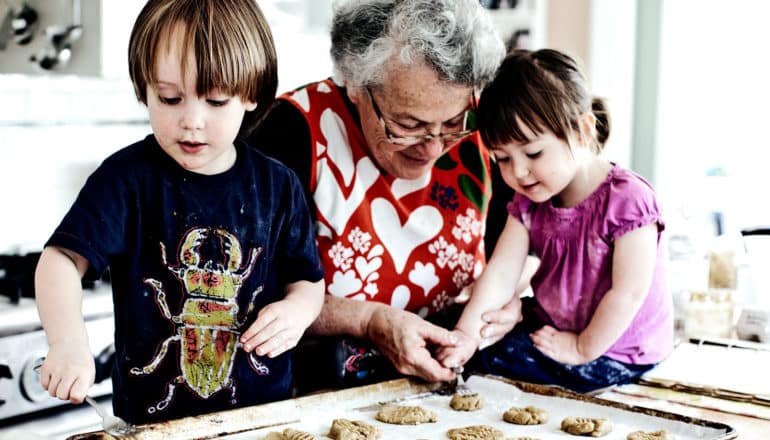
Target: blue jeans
x: 516, y: 357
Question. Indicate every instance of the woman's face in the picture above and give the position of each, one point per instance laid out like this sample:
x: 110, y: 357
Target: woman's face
x: 411, y: 102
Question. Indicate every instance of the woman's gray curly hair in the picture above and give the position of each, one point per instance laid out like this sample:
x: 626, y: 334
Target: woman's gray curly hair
x: 455, y: 37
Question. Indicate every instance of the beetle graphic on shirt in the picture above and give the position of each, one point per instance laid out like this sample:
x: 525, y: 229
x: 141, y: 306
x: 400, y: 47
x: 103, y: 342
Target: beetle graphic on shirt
x: 208, y: 327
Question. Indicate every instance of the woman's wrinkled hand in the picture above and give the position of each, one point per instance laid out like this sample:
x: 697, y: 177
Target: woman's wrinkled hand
x: 407, y: 341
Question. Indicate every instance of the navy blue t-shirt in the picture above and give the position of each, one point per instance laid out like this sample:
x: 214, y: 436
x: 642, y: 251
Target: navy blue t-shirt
x: 192, y: 259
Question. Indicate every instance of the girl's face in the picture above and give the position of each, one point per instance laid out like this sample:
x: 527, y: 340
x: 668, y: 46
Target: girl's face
x: 196, y: 131
x: 539, y: 169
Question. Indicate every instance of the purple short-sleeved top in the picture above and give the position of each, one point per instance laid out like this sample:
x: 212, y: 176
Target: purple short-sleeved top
x: 575, y: 246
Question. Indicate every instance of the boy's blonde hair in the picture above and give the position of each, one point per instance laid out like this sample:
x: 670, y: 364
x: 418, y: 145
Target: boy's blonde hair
x: 230, y: 41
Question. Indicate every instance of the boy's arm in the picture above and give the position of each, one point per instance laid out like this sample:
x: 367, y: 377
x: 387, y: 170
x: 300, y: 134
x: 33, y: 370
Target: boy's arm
x: 68, y: 371
x: 633, y: 265
x: 497, y: 283
x: 279, y: 325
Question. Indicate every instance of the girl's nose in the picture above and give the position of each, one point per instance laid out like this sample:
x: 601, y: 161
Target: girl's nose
x: 520, y: 169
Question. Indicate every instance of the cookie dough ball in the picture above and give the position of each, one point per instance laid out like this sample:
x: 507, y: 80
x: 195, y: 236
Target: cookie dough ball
x: 406, y: 415
x: 290, y: 434
x: 344, y: 429
x: 586, y: 427
x: 526, y: 416
x: 475, y: 432
x: 655, y: 435
x: 470, y: 402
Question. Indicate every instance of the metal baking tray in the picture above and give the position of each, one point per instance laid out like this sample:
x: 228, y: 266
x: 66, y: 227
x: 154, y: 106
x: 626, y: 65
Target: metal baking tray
x: 315, y: 413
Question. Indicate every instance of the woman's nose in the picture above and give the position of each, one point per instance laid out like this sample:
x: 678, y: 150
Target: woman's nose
x: 434, y: 146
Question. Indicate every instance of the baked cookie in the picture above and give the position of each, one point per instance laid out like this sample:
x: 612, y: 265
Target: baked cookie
x: 344, y: 429
x: 405, y: 415
x: 524, y: 438
x: 526, y: 416
x: 585, y: 426
x: 470, y: 402
x: 290, y: 434
x: 656, y: 435
x: 475, y: 432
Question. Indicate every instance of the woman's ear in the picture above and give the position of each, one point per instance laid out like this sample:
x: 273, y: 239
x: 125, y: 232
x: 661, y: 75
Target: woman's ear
x: 251, y: 106
x: 356, y: 94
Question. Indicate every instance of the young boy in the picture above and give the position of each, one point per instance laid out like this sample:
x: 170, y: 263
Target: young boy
x: 210, y: 246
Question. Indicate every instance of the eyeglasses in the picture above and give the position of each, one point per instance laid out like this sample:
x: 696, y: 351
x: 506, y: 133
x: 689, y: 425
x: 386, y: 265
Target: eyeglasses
x: 448, y: 139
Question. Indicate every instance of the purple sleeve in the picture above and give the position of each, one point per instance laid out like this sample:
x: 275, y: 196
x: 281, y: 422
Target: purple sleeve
x: 520, y: 208
x: 632, y: 204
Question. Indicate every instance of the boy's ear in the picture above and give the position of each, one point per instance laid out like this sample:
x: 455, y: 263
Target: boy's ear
x: 251, y: 106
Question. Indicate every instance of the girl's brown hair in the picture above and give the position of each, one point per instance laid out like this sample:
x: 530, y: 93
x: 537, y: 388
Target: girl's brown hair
x: 543, y: 90
x: 230, y: 41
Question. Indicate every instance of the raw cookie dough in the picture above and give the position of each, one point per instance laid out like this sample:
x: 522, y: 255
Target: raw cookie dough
x: 585, y: 426
x: 470, y: 402
x: 526, y: 416
x: 476, y: 432
x: 344, y: 429
x: 656, y: 435
x: 290, y: 434
x: 405, y: 415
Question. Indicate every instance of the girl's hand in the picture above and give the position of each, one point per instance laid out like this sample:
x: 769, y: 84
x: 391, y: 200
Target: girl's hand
x: 498, y: 323
x: 559, y: 346
x: 278, y: 327
x: 68, y: 371
x: 461, y: 352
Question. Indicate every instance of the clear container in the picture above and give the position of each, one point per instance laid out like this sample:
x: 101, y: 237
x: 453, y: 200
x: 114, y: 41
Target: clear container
x: 709, y: 314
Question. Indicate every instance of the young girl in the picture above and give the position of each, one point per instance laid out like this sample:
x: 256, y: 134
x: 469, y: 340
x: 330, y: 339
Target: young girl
x: 601, y: 313
x: 211, y: 251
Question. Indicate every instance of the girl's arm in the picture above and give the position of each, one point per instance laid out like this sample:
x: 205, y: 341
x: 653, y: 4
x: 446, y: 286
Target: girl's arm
x: 633, y: 265
x: 494, y: 288
x: 68, y: 370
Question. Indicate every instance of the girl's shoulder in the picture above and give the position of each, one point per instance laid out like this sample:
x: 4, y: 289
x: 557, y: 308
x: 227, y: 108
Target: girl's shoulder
x: 626, y: 186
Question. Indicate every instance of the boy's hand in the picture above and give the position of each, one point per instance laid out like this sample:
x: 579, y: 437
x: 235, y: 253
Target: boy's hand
x: 68, y: 371
x: 559, y: 346
x: 278, y: 328
x: 461, y: 352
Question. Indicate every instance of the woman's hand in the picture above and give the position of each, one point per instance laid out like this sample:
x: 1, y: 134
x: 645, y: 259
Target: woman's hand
x: 406, y: 340
x: 68, y: 371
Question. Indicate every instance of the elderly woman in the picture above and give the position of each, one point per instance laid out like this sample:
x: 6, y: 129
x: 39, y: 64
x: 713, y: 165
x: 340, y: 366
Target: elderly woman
x: 396, y: 178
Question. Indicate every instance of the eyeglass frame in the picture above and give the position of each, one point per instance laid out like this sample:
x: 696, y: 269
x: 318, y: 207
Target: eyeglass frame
x: 454, y: 136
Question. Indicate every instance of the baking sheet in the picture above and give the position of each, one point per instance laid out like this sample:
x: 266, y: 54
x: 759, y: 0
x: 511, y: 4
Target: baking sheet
x: 314, y: 414
x: 500, y: 396
x: 728, y: 372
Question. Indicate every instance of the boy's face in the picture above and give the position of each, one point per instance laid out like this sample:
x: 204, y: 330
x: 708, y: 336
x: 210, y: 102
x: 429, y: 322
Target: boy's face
x: 196, y: 131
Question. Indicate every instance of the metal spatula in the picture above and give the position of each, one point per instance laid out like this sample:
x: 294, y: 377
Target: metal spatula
x: 459, y: 386
x: 114, y: 426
